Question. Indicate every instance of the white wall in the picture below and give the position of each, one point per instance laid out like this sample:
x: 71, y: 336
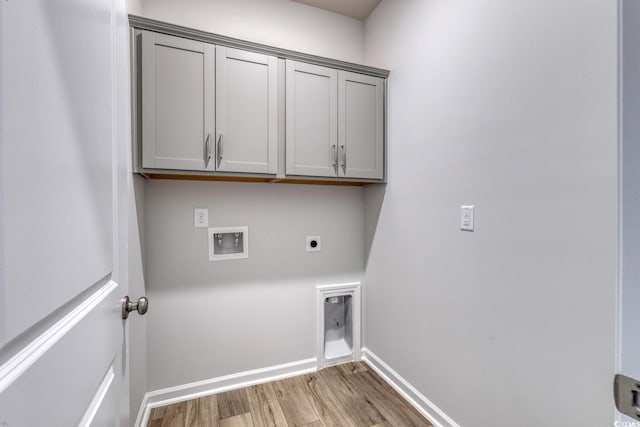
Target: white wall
x: 135, y: 7
x: 137, y: 287
x: 281, y: 23
x: 208, y: 319
x: 511, y: 107
x: 630, y: 203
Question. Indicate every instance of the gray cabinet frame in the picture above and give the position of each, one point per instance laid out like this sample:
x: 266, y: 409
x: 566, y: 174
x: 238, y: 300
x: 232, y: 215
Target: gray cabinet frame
x: 139, y: 23
x: 191, y: 110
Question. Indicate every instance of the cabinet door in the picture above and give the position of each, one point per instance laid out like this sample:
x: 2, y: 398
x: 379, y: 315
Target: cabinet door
x: 311, y: 120
x: 360, y: 126
x: 177, y: 103
x: 246, y: 111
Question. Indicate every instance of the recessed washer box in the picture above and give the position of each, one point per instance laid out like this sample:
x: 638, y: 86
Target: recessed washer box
x: 228, y: 243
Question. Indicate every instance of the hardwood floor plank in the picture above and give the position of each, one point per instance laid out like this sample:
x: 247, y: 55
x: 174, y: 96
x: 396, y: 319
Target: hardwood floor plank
x: 353, y: 400
x: 209, y: 405
x: 294, y: 403
x: 157, y: 413
x: 323, y: 401
x: 242, y: 420
x: 207, y: 420
x: 393, y: 392
x: 327, y: 405
x: 175, y: 419
x: 391, y: 407
x: 353, y: 368
x: 265, y: 408
x: 174, y: 415
x: 193, y: 416
x: 232, y: 403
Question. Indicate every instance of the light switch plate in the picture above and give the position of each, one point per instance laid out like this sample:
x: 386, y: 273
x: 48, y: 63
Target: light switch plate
x: 200, y: 218
x: 466, y: 218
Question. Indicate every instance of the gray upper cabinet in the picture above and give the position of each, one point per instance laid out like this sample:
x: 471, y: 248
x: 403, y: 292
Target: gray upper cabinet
x: 213, y: 107
x: 177, y: 103
x: 360, y: 126
x: 335, y: 123
x: 246, y: 111
x: 312, y: 120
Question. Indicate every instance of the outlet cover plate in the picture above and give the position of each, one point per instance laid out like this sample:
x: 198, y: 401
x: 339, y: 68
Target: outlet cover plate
x: 314, y: 243
x: 466, y: 218
x: 200, y: 218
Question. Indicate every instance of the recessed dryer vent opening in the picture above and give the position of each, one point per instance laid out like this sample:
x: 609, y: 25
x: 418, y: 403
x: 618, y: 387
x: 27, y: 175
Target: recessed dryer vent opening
x: 338, y: 327
x: 339, y: 324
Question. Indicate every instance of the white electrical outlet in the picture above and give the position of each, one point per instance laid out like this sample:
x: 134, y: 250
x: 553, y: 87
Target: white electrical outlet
x: 466, y: 218
x: 200, y: 218
x: 313, y: 243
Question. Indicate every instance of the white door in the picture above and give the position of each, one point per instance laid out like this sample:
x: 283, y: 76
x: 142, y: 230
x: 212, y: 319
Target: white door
x: 64, y: 120
x: 360, y: 126
x: 628, y: 343
x: 178, y: 87
x: 246, y: 111
x: 312, y: 115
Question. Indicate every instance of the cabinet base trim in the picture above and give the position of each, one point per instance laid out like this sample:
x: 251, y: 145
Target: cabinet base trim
x: 225, y: 178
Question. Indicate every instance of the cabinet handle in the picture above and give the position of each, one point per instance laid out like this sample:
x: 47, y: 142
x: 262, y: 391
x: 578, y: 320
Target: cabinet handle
x: 219, y: 150
x: 207, y: 147
x: 334, y: 157
x: 344, y: 159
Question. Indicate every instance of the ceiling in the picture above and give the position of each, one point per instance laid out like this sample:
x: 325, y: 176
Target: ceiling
x: 358, y: 9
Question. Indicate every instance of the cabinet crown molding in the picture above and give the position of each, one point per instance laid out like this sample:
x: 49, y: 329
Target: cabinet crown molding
x: 142, y: 23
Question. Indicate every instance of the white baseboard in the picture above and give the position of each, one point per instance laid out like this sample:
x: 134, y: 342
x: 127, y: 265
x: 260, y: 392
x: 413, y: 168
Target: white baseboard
x: 168, y: 396
x: 428, y: 409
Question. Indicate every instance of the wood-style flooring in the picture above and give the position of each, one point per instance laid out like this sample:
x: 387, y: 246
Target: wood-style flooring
x: 349, y: 395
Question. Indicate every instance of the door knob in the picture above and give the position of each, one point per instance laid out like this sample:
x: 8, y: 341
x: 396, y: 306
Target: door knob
x: 141, y: 306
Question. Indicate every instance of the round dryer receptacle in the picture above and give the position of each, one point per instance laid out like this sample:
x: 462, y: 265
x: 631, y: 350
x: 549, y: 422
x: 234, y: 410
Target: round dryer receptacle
x: 313, y: 244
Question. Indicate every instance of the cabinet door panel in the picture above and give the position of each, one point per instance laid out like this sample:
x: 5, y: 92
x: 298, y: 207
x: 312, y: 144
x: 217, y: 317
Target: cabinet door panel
x: 177, y: 102
x: 247, y: 111
x: 311, y: 128
x: 360, y: 126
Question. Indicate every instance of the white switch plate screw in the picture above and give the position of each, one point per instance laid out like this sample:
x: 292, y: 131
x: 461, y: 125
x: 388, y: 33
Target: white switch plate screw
x: 466, y: 218
x: 313, y: 243
x: 200, y: 218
